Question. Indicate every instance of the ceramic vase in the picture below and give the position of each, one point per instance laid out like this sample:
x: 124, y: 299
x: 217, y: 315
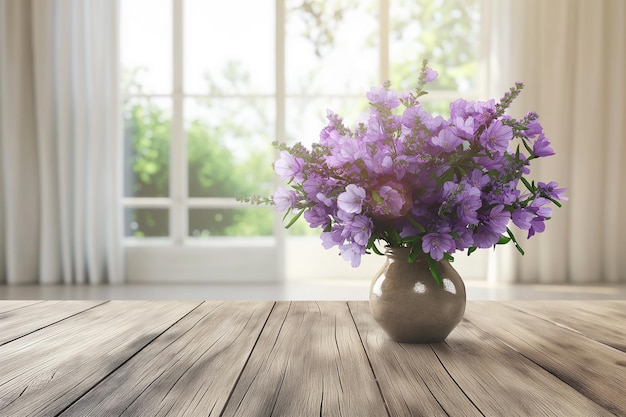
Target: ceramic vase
x: 410, y: 305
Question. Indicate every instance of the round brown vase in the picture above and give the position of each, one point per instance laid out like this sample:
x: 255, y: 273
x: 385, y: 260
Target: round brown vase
x: 408, y: 303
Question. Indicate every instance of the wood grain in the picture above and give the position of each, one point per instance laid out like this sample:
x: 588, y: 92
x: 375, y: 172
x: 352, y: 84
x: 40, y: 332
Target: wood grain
x: 8, y: 305
x: 309, y: 361
x: 583, y: 318
x: 501, y: 382
x: 44, y: 372
x: 31, y: 316
x: 300, y: 359
x: 412, y: 380
x: 594, y: 369
x: 189, y: 370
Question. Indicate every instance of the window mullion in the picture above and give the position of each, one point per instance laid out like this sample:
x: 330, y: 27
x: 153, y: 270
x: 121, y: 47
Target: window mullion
x: 178, y: 148
x: 279, y: 231
x: 384, y: 40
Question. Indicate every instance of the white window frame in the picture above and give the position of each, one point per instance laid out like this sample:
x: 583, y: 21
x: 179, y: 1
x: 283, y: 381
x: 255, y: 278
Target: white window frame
x: 180, y: 259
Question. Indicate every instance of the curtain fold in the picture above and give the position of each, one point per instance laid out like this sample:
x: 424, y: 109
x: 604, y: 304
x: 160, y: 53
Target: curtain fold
x: 571, y: 54
x: 20, y: 185
x: 59, y: 150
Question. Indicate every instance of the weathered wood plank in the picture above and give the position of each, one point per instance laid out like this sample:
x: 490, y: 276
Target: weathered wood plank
x: 46, y: 371
x: 502, y: 382
x: 412, y: 380
x: 309, y: 361
x: 190, y: 370
x: 592, y: 368
x: 8, y: 305
x: 19, y: 321
x: 603, y: 321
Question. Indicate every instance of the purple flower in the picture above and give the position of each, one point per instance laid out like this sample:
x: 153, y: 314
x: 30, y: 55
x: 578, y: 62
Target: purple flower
x: 414, y: 116
x: 497, y: 219
x: 469, y: 205
x: 459, y: 109
x: 464, y: 128
x: 537, y: 225
x: 312, y: 185
x: 538, y: 207
x: 430, y: 75
x: 351, y: 200
x: 324, y: 200
x: 464, y: 238
x: 541, y: 147
x: 496, y: 137
x: 436, y: 244
x: 390, y: 200
x: 446, y: 140
x: 332, y: 238
x: 358, y: 230
x: 352, y: 252
x: 485, y: 237
x: 380, y: 95
x: 317, y: 216
x: 503, y: 193
x: 497, y: 162
x: 393, y: 200
x: 329, y: 136
x: 533, y: 129
x: 478, y: 179
x: 550, y: 189
x: 288, y: 167
x: 521, y: 218
x: 285, y: 199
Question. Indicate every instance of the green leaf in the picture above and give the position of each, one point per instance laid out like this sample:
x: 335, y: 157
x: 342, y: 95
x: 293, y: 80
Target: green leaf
x: 371, y: 244
x: 527, y: 184
x: 556, y: 202
x: 503, y: 240
x: 413, y: 254
x: 460, y: 171
x: 432, y: 266
x: 286, y: 213
x: 471, y: 250
x: 528, y: 148
x: 294, y: 219
x: 395, y: 236
x: 519, y: 248
x: 445, y: 177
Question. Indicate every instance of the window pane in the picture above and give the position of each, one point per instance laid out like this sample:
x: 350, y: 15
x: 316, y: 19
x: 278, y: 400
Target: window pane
x: 305, y: 118
x: 250, y: 221
x: 146, y: 47
x: 229, y: 146
x: 446, y: 32
x: 146, y: 222
x: 146, y: 147
x: 331, y: 47
x: 229, y: 46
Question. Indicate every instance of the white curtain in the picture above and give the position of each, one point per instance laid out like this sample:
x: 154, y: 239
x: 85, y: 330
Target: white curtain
x: 59, y: 174
x: 571, y: 55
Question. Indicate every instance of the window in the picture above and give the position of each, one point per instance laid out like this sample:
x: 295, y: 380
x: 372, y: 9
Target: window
x: 209, y: 84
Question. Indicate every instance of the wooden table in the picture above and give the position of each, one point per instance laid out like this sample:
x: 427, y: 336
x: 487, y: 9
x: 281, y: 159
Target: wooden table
x: 158, y: 358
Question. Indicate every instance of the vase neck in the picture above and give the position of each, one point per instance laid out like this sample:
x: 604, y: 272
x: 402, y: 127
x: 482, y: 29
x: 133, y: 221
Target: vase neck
x: 399, y: 252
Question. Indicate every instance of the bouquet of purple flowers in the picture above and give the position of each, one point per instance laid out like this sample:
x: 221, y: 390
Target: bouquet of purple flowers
x: 411, y: 179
